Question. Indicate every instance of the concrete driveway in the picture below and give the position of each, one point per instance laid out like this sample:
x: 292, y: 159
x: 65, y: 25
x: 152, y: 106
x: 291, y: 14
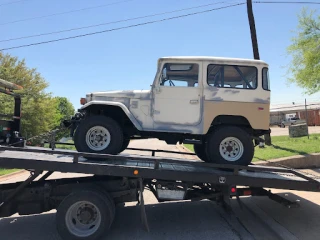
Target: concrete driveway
x: 256, y: 218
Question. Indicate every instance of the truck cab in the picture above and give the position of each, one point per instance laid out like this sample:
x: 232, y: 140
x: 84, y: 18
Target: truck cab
x: 10, y: 122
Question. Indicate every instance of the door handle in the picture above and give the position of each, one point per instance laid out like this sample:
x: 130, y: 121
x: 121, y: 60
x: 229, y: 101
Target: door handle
x: 194, y: 101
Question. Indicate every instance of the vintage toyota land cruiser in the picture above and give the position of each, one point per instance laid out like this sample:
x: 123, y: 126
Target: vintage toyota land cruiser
x: 222, y: 104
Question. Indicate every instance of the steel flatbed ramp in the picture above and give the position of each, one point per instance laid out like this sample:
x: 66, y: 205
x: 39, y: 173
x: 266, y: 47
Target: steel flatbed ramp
x: 41, y: 159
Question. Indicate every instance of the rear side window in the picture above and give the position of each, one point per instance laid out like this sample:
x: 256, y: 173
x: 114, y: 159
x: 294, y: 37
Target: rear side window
x: 265, y: 79
x: 227, y: 76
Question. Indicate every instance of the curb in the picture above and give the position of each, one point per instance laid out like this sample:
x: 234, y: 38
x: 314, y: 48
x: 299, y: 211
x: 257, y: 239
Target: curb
x: 10, y: 175
x: 298, y: 161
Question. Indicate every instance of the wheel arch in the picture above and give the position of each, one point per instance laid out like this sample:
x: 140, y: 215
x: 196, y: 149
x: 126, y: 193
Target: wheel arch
x: 115, y: 110
x: 231, y: 120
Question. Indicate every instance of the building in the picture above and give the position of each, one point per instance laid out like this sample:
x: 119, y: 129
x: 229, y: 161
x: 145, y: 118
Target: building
x: 280, y: 112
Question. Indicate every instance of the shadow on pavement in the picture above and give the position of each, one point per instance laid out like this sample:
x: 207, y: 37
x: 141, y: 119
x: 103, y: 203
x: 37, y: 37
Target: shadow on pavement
x: 174, y: 220
x: 303, y: 222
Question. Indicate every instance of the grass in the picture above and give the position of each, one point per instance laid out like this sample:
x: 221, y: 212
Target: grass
x: 4, y: 171
x: 61, y: 146
x: 283, y: 146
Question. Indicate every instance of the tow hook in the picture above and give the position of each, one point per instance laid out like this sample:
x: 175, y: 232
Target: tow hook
x: 73, y: 122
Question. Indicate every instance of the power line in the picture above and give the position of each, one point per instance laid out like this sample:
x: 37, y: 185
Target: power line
x: 9, y: 3
x: 113, y: 22
x: 125, y: 27
x: 286, y: 2
x: 62, y: 13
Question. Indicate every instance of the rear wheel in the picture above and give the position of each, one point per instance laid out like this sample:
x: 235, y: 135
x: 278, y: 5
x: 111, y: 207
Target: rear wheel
x: 85, y: 215
x: 200, y: 151
x: 230, y: 145
x: 99, y: 134
x: 125, y: 144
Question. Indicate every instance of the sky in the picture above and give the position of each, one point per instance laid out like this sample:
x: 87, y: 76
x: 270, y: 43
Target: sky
x: 127, y: 59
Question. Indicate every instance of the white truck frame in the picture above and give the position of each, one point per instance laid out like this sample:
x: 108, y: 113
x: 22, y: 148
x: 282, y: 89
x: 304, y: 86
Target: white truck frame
x: 221, y: 104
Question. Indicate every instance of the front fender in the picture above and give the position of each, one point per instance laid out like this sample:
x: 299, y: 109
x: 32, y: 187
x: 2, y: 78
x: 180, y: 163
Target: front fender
x: 117, y: 104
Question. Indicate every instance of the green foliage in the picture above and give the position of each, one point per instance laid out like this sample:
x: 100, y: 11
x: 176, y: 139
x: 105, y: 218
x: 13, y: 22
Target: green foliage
x: 65, y: 110
x: 4, y: 171
x: 40, y: 111
x: 304, y: 69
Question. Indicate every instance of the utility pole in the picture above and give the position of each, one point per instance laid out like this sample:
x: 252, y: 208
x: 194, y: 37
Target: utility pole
x: 255, y: 48
x: 253, y: 32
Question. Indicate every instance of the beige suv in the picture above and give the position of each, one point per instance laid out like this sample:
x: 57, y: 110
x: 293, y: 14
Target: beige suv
x: 221, y: 104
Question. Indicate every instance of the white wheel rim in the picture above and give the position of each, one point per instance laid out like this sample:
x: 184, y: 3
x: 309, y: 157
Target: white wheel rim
x: 83, y: 219
x: 231, y: 149
x: 98, y: 138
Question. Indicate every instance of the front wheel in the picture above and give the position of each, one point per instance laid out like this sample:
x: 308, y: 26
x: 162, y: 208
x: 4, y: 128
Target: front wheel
x: 200, y: 151
x: 99, y: 134
x: 230, y: 145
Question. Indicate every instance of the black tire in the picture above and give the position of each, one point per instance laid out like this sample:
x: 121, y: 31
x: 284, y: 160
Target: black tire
x: 116, y: 135
x: 125, y: 144
x: 103, y: 205
x: 215, y: 139
x: 200, y: 150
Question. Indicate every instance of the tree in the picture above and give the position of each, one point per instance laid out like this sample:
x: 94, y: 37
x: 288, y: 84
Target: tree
x: 66, y: 110
x: 305, y: 52
x: 39, y: 109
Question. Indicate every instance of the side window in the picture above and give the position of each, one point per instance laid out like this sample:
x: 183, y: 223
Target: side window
x: 227, y: 76
x: 265, y: 79
x: 180, y: 75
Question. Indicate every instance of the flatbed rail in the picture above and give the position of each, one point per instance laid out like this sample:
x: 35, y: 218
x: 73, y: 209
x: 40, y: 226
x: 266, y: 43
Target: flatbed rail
x: 156, y: 168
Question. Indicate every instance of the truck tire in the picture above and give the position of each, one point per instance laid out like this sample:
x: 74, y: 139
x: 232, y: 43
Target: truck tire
x: 85, y: 215
x: 230, y: 145
x: 125, y: 144
x: 200, y: 151
x: 98, y: 134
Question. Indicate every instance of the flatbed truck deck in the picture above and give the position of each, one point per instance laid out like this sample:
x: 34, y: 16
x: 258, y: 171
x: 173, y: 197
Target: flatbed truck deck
x: 86, y: 205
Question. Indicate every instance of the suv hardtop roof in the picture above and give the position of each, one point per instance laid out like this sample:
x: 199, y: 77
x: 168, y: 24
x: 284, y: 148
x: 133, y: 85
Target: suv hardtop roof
x: 241, y: 61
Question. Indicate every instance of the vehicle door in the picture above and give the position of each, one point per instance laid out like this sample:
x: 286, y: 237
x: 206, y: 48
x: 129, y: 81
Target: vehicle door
x: 177, y: 94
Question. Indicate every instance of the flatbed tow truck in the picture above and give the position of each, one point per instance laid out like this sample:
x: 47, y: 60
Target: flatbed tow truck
x: 86, y: 205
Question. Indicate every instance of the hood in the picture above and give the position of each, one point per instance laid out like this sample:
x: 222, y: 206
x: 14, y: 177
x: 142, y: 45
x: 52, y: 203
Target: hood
x: 136, y: 94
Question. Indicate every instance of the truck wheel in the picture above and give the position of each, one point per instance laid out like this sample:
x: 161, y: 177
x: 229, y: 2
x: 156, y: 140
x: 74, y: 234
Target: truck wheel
x: 200, y: 151
x: 85, y: 215
x: 125, y: 144
x: 230, y: 145
x: 99, y: 134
